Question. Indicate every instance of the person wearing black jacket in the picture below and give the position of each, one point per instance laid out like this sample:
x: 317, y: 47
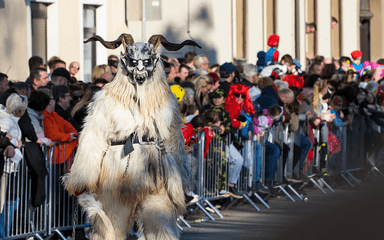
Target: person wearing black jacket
x: 63, y: 99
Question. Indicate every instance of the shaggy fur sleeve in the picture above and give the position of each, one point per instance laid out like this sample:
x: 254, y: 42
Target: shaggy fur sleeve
x: 91, y: 149
x: 177, y: 148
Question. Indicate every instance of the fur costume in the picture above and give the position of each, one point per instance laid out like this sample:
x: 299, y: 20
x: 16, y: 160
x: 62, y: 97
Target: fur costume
x: 120, y: 184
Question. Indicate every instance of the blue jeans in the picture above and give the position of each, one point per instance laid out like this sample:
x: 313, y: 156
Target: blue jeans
x: 271, y: 159
x: 6, y: 217
x: 258, y: 158
x: 305, y: 145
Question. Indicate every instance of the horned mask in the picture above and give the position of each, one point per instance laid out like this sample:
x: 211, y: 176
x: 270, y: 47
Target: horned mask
x: 140, y: 59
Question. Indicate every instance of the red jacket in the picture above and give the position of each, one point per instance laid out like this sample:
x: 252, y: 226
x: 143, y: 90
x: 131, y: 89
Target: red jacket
x: 57, y: 129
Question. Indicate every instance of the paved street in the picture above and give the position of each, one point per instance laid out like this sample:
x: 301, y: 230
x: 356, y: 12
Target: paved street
x: 348, y: 213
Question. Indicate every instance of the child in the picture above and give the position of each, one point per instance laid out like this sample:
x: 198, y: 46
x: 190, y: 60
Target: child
x: 218, y: 99
x: 189, y: 132
x: 260, y: 126
x: 272, y: 55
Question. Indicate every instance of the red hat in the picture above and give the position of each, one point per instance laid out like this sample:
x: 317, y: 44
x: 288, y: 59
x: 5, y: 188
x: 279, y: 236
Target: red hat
x: 356, y: 54
x: 214, y: 76
x: 273, y: 40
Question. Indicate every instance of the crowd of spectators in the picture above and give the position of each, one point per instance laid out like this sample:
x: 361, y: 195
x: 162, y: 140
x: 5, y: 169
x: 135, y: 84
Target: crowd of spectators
x: 224, y: 100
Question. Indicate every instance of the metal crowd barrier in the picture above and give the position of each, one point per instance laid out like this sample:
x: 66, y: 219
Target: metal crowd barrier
x: 19, y: 219
x: 213, y: 171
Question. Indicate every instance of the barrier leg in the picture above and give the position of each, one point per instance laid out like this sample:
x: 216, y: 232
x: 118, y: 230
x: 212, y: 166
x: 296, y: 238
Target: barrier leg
x: 179, y: 227
x: 347, y: 180
x: 262, y: 201
x: 376, y: 169
x: 294, y: 191
x: 214, y: 209
x: 326, y: 184
x: 184, y: 221
x: 353, y: 177
x: 60, y: 234
x: 250, y: 201
x: 205, y: 211
x: 286, y: 193
x: 317, y: 185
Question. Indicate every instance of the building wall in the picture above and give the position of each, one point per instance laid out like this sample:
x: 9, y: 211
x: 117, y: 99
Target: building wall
x: 14, y: 40
x: 377, y: 33
x: 217, y: 25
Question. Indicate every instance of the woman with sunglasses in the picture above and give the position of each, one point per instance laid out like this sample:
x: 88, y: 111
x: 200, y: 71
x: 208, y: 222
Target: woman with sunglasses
x: 73, y: 69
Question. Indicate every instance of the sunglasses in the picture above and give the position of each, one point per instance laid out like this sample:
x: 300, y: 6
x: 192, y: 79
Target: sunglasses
x: 239, y: 95
x: 77, y: 67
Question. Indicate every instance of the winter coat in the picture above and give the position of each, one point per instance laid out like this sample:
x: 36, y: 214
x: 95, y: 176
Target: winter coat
x: 38, y: 125
x: 57, y: 129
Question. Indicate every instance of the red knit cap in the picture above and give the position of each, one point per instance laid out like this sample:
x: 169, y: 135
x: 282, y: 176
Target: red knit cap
x: 273, y: 40
x: 356, y: 54
x: 214, y: 76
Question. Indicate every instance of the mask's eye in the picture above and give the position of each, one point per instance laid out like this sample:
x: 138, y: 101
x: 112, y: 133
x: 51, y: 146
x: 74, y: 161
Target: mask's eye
x: 134, y: 63
x: 146, y: 62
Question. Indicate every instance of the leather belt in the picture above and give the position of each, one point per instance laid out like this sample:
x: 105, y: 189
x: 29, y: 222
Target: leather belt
x: 133, y: 139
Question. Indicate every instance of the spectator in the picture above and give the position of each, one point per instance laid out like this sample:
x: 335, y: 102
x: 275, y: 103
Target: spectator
x: 101, y: 71
x: 35, y: 62
x: 73, y: 69
x: 113, y: 63
x: 333, y: 22
x: 50, y: 64
x: 310, y: 28
x: 100, y: 82
x: 201, y: 62
x: 79, y: 111
x: 62, y: 98
x: 344, y: 62
x: 4, y: 84
x: 36, y: 107
x: 6, y: 150
x: 77, y: 93
x: 188, y: 60
x: 58, y: 63
x: 272, y: 55
x: 15, y: 108
x: 183, y: 73
x: 328, y: 71
x: 215, y: 78
x: 59, y: 130
x: 227, y: 74
x: 190, y: 131
x: 315, y: 68
x: 203, y: 85
x: 20, y: 88
x: 61, y: 76
x: 39, y: 78
x: 218, y: 100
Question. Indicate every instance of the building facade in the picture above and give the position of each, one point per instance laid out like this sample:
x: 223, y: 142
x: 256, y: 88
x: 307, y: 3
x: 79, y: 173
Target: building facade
x: 226, y: 29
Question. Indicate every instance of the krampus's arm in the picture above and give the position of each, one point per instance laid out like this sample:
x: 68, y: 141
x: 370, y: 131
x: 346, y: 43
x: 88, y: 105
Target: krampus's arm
x: 85, y: 170
x: 176, y: 144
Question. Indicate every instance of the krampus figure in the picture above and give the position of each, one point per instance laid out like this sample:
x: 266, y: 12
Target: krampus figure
x: 129, y: 166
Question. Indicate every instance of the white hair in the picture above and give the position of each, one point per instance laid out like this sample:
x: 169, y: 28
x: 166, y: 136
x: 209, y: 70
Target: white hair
x: 16, y: 103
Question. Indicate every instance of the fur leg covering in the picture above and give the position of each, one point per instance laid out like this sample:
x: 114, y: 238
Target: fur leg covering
x: 157, y: 218
x: 102, y: 226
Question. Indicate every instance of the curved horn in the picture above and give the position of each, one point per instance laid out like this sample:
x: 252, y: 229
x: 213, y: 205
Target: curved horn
x: 123, y: 38
x: 157, y: 39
